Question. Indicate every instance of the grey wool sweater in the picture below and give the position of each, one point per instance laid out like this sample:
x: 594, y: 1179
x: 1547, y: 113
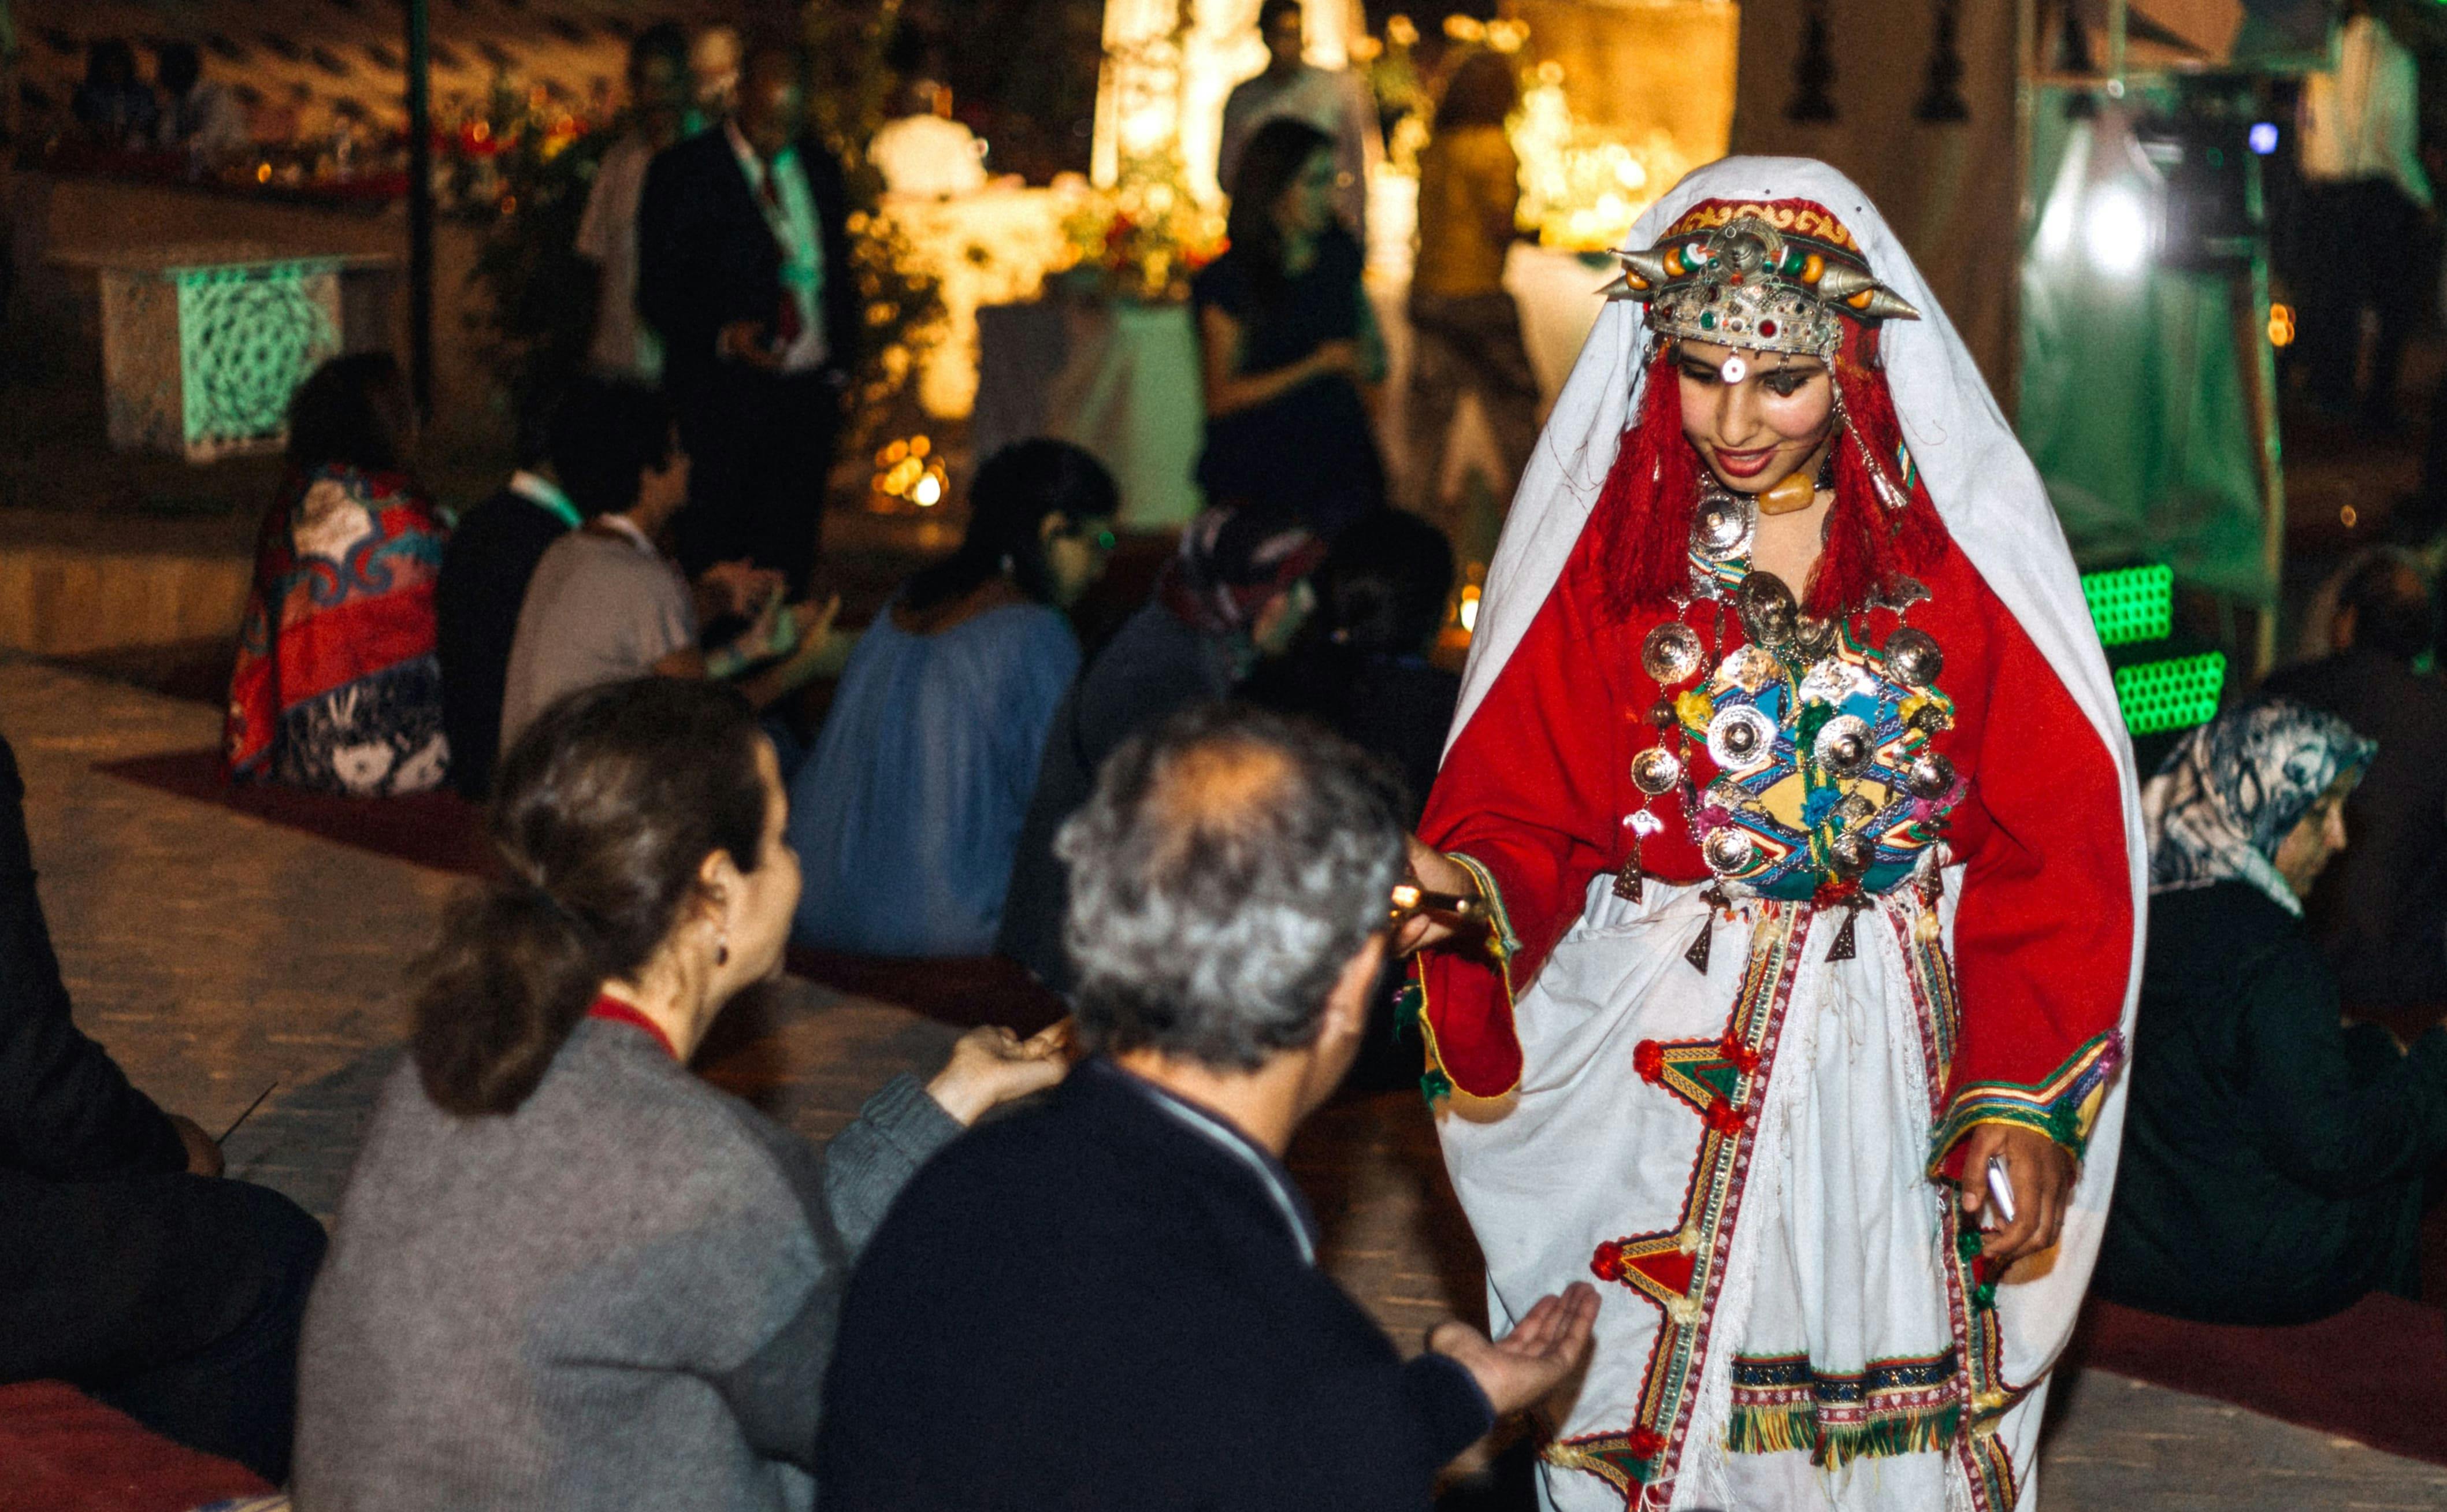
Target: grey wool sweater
x: 623, y: 1294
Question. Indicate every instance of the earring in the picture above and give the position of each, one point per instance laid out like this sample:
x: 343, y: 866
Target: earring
x: 721, y: 949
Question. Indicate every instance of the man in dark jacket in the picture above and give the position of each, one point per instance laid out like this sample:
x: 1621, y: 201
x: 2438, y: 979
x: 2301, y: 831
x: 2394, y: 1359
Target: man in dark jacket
x: 743, y: 270
x: 2380, y: 914
x: 126, y: 1266
x: 1112, y: 1302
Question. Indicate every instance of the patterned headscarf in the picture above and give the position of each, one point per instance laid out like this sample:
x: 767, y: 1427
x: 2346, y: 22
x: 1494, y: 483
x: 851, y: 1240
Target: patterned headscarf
x: 2230, y: 792
x: 1232, y: 563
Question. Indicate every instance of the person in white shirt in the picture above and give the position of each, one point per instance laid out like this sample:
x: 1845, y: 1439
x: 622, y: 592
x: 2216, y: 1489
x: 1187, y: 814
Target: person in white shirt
x: 2366, y: 212
x: 1337, y: 102
x: 606, y: 604
x: 659, y: 94
x: 200, y: 115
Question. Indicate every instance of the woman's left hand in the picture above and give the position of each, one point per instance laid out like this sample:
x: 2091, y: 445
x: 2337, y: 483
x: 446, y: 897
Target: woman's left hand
x: 992, y: 1065
x: 2042, y: 1173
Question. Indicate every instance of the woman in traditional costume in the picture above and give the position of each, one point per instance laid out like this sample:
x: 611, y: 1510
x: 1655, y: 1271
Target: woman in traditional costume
x: 1791, y: 777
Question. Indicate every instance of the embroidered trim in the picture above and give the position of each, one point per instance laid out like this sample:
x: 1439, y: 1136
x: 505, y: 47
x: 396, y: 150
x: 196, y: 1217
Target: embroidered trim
x: 2063, y: 1108
x: 1681, y: 1269
x: 1500, y: 943
x: 1781, y: 1403
x: 1506, y: 942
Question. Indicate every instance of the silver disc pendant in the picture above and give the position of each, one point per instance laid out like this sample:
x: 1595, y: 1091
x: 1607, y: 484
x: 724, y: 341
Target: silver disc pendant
x: 1741, y: 738
x: 1767, y: 609
x: 1671, y: 652
x: 1842, y: 745
x: 1913, y: 657
x: 1727, y: 851
x: 1849, y: 855
x: 1928, y: 775
x: 1656, y: 770
x: 1815, y: 637
x: 1723, y: 526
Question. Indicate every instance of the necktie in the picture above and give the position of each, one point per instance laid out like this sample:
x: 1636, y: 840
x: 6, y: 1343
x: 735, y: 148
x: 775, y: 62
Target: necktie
x: 786, y: 324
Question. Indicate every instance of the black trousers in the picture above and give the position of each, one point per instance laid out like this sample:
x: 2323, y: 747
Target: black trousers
x: 2365, y: 248
x: 176, y: 1298
x: 760, y: 447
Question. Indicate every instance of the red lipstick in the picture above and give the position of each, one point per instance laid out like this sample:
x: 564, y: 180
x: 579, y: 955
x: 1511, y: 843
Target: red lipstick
x: 1744, y: 463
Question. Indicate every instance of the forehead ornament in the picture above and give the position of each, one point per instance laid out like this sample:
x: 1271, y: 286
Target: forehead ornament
x: 1734, y: 370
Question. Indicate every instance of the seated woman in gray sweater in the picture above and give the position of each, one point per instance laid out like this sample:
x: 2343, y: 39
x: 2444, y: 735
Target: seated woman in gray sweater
x: 568, y: 1273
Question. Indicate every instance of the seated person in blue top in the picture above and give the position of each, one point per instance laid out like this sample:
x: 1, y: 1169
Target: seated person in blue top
x: 1112, y: 1303
x: 2273, y: 1160
x: 907, y: 815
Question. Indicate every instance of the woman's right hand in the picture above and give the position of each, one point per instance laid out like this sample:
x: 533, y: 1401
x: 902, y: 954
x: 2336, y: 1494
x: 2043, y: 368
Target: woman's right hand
x: 1337, y: 359
x: 1438, y: 873
x: 992, y: 1065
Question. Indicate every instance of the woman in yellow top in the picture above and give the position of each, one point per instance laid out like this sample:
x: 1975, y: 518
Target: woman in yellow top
x: 1467, y: 330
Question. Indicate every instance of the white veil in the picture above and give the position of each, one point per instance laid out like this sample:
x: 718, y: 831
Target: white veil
x: 1995, y: 507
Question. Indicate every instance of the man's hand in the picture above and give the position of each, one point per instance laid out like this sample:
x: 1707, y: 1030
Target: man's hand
x: 744, y: 341
x: 739, y: 588
x: 1544, y: 1349
x: 992, y: 1065
x: 2041, y: 1172
x: 203, y: 1156
x: 1438, y: 873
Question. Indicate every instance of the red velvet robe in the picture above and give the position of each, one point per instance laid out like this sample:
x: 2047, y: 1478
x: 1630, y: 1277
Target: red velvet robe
x: 1537, y: 788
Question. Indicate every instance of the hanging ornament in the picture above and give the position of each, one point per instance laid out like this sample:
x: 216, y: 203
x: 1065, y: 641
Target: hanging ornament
x: 1940, y: 98
x: 1734, y: 370
x: 1627, y: 882
x: 1913, y: 657
x: 1767, y: 609
x: 1670, y: 653
x: 1656, y: 770
x: 1813, y: 71
x: 1845, y: 947
x: 1698, y: 954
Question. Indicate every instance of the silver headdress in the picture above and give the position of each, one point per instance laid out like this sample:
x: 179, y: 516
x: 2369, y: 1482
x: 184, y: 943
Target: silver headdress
x: 1733, y: 276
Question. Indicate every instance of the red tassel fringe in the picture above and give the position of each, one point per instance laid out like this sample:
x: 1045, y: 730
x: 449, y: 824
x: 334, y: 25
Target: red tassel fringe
x: 1644, y: 510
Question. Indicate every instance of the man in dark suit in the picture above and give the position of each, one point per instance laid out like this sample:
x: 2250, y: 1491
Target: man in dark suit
x: 743, y: 270
x: 1112, y: 1303
x: 128, y: 1266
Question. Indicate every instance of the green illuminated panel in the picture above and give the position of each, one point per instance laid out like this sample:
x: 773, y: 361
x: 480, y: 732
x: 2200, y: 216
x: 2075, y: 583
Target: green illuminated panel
x: 2173, y: 695
x: 248, y: 335
x: 2131, y: 603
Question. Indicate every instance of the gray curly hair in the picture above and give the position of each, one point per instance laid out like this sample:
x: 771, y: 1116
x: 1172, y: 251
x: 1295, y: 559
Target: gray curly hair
x: 1227, y: 867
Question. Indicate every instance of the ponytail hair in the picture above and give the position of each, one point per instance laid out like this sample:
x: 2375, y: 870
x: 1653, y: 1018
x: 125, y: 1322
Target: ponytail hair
x: 602, y: 815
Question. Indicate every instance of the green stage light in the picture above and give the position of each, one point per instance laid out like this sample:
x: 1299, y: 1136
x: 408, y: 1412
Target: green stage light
x: 2131, y: 603
x: 2173, y: 695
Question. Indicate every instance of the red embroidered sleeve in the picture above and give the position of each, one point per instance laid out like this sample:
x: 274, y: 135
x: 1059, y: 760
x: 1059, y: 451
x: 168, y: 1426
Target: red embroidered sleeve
x: 1527, y: 799
x: 2044, y: 936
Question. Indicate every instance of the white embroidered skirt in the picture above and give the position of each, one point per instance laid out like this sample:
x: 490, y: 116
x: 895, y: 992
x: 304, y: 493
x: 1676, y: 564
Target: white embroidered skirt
x: 1741, y: 1158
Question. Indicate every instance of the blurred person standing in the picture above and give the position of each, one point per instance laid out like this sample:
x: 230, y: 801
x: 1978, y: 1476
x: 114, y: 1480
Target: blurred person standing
x: 338, y: 684
x: 2361, y: 151
x: 2380, y: 914
x: 200, y: 117
x: 567, y: 1273
x: 1236, y: 592
x: 907, y: 815
x: 743, y: 270
x: 1150, y: 1328
x: 1467, y: 329
x: 1289, y: 352
x: 624, y: 345
x: 1334, y: 102
x: 116, y: 108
